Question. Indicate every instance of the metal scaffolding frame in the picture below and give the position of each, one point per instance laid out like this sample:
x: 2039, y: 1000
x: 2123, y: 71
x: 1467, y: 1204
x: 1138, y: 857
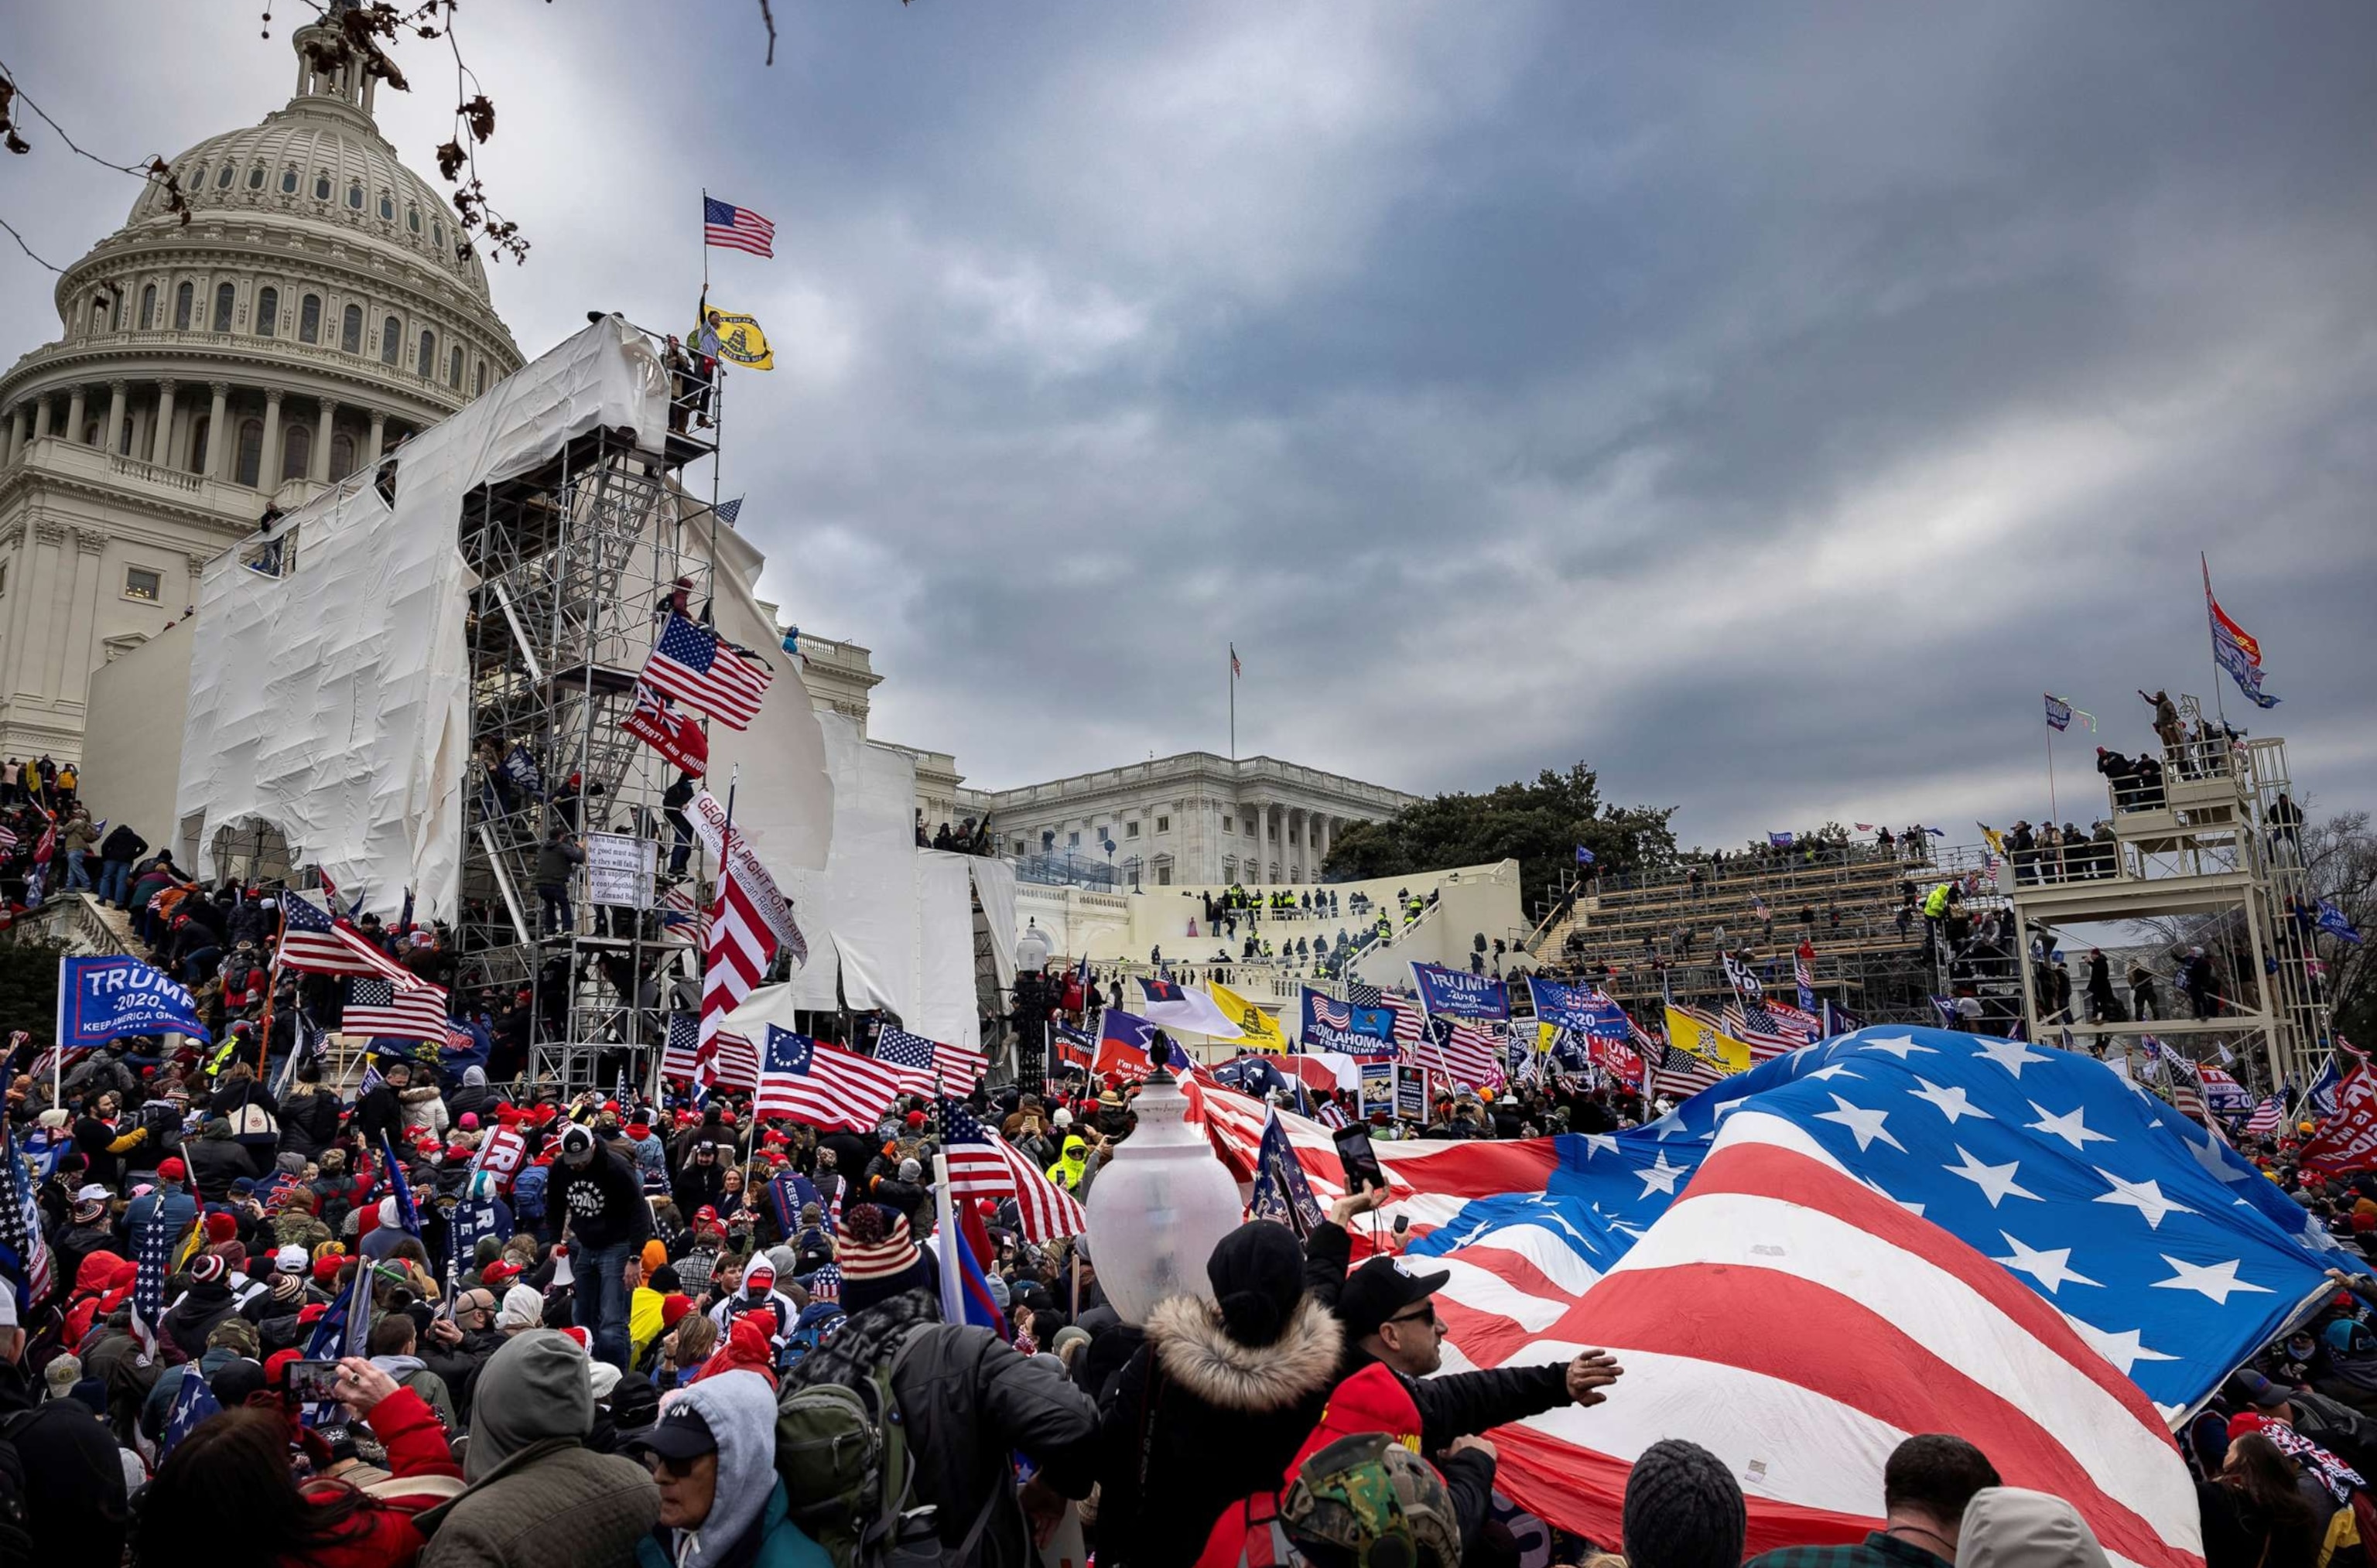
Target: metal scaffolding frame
x: 2202, y: 848
x: 575, y: 559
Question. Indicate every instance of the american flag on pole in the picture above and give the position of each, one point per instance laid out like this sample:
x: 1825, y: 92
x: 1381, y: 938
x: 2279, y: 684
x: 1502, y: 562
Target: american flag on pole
x: 731, y: 1063
x: 690, y: 664
x: 982, y: 1164
x: 823, y: 1085
x: 149, y: 1268
x: 375, y: 1006
x: 733, y: 228
x: 24, y: 1251
x: 2264, y: 1119
x: 679, y: 1044
x: 1751, y: 1024
x: 926, y: 1066
x: 314, y: 943
x: 682, y: 916
x: 1465, y: 1049
x: 738, y: 952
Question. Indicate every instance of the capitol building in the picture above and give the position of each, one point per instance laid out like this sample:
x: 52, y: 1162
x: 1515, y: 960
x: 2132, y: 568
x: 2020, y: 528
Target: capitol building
x: 320, y: 306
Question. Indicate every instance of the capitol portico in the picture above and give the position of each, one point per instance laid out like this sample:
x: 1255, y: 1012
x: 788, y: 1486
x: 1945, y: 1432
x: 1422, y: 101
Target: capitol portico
x: 321, y: 305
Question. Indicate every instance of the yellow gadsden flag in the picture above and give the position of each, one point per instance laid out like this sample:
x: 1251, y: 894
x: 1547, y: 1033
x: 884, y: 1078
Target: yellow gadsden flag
x: 1261, y: 1029
x: 1692, y: 1029
x: 740, y: 341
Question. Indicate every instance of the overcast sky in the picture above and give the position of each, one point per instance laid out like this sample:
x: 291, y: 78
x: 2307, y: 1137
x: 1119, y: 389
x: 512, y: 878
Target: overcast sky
x: 1766, y: 404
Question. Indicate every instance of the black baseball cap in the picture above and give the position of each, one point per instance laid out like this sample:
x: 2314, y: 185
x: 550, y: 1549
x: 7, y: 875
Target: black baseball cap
x: 1382, y: 1288
x: 680, y: 1433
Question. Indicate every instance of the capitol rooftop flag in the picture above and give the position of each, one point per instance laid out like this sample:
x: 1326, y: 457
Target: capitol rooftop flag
x: 105, y: 999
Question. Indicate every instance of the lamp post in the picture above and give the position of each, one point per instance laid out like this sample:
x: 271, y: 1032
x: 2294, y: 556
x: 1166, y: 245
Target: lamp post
x: 1158, y: 1210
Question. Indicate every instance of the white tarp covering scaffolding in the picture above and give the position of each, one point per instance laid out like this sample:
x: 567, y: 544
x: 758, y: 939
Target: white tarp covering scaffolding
x: 784, y: 801
x: 892, y: 923
x: 332, y: 702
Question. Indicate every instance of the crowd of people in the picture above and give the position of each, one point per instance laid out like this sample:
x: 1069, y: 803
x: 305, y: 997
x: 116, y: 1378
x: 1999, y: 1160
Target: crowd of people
x: 660, y: 1336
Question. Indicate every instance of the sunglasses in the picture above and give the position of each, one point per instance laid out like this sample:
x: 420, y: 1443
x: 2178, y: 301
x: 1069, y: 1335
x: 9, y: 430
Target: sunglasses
x: 1424, y: 1313
x: 674, y: 1470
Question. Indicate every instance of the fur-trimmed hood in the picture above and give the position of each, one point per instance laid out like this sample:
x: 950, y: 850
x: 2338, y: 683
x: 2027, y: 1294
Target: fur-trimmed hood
x: 1198, y: 1354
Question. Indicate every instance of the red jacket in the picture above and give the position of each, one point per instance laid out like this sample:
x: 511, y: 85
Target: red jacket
x: 381, y: 1534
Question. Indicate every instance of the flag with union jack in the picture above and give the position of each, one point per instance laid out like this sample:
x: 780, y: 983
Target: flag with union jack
x: 676, y: 736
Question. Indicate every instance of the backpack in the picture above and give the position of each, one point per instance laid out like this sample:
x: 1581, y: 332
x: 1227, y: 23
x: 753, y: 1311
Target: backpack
x: 252, y: 1126
x: 845, y: 1450
x: 528, y: 1192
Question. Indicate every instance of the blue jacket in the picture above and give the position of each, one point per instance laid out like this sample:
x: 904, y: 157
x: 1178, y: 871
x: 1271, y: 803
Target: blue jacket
x: 781, y: 1544
x: 179, y: 1210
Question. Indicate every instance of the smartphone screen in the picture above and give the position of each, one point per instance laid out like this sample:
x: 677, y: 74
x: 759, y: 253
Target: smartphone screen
x: 313, y: 1381
x: 1360, y: 1160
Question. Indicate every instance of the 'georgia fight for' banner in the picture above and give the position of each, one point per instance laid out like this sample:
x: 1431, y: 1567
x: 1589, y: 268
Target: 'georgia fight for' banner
x: 105, y: 999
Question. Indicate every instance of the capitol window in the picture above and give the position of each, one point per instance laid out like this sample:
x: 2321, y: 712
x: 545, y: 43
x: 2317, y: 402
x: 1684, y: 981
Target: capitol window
x: 454, y: 369
x: 1130, y: 831
x: 267, y: 312
x: 199, y: 178
x: 351, y: 330
x: 391, y: 334
x: 309, y: 319
x: 224, y: 297
x: 181, y: 298
x: 296, y: 451
x: 342, y: 455
x: 356, y: 196
x: 288, y: 181
x: 147, y: 307
x: 139, y: 582
x: 223, y: 180
x: 387, y: 207
x: 1226, y: 826
x: 322, y: 188
x: 255, y: 178
x: 427, y: 363
x: 1164, y: 825
x: 478, y: 378
x: 251, y: 451
x: 413, y: 218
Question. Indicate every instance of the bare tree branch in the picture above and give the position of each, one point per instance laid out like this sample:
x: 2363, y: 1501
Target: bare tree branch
x: 769, y: 17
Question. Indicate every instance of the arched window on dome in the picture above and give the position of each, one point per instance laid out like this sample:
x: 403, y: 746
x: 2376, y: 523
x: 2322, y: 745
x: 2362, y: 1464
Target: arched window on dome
x: 267, y: 312
x: 412, y: 219
x: 225, y: 296
x: 478, y: 378
x: 91, y: 433
x: 224, y: 178
x: 356, y: 195
x: 183, y: 297
x: 289, y: 180
x: 437, y: 234
x: 427, y: 363
x: 351, y: 330
x: 199, y: 178
x: 309, y: 319
x: 322, y: 186
x: 255, y: 178
x: 99, y: 314
x: 147, y: 307
x: 115, y: 312
x: 390, y: 337
x: 342, y: 455
x: 251, y: 451
x: 297, y: 450
x: 454, y: 369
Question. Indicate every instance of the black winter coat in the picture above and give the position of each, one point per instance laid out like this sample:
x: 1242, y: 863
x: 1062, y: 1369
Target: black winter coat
x: 215, y: 1164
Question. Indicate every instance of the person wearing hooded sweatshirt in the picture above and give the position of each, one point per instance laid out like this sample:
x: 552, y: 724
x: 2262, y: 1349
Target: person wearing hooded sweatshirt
x: 2007, y: 1526
x: 714, y: 1454
x: 537, y: 1497
x: 759, y: 1295
x: 1072, y: 1164
x: 206, y: 1303
x: 1213, y: 1405
x: 608, y: 1218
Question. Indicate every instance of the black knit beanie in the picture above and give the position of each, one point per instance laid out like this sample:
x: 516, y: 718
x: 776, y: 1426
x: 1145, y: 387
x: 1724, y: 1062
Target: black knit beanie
x: 1257, y: 1272
x: 1683, y: 1509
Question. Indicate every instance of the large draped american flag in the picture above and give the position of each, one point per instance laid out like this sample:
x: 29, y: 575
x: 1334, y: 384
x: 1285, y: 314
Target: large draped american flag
x: 1892, y: 1231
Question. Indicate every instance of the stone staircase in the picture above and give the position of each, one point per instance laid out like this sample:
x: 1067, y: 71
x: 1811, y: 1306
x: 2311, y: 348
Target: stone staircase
x: 78, y: 925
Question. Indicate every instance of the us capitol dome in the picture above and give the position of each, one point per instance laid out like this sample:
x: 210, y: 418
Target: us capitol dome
x: 320, y: 306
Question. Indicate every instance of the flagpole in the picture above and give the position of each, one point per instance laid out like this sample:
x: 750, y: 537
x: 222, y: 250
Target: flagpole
x: 2211, y: 634
x: 271, y: 988
x: 2051, y: 813
x: 58, y: 1040
x: 1234, y: 702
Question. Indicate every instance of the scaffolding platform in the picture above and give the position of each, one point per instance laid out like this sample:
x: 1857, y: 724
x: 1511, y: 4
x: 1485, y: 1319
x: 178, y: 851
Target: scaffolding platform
x: 2211, y: 848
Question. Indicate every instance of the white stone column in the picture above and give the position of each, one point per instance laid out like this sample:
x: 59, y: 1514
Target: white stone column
x: 372, y: 446
x: 74, y: 414
x: 161, y: 434
x: 41, y: 416
x: 40, y: 643
x: 72, y: 681
x: 118, y: 394
x: 218, y: 418
x: 320, y: 473
x: 15, y: 432
x: 267, y: 465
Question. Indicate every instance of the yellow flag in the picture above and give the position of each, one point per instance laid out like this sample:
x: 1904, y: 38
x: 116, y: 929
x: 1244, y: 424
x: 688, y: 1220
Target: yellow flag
x: 1546, y: 1036
x: 1261, y: 1029
x: 740, y: 341
x: 1992, y: 838
x: 1698, y: 1034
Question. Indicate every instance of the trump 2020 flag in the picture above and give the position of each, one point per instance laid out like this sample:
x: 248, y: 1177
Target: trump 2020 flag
x: 105, y: 999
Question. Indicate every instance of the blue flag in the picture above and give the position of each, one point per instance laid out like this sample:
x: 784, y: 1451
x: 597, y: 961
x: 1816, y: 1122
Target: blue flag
x: 1780, y: 840
x: 2333, y: 921
x: 105, y: 999
x: 193, y: 1403
x: 1583, y: 856
x: 406, y: 1214
x: 1281, y: 1192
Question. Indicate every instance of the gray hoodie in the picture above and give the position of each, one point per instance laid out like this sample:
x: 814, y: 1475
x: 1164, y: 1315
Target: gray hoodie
x: 741, y: 1410
x: 536, y: 1389
x: 2006, y: 1526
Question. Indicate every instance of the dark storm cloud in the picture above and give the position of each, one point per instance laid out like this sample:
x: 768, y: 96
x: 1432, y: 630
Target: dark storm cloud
x: 1764, y: 404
